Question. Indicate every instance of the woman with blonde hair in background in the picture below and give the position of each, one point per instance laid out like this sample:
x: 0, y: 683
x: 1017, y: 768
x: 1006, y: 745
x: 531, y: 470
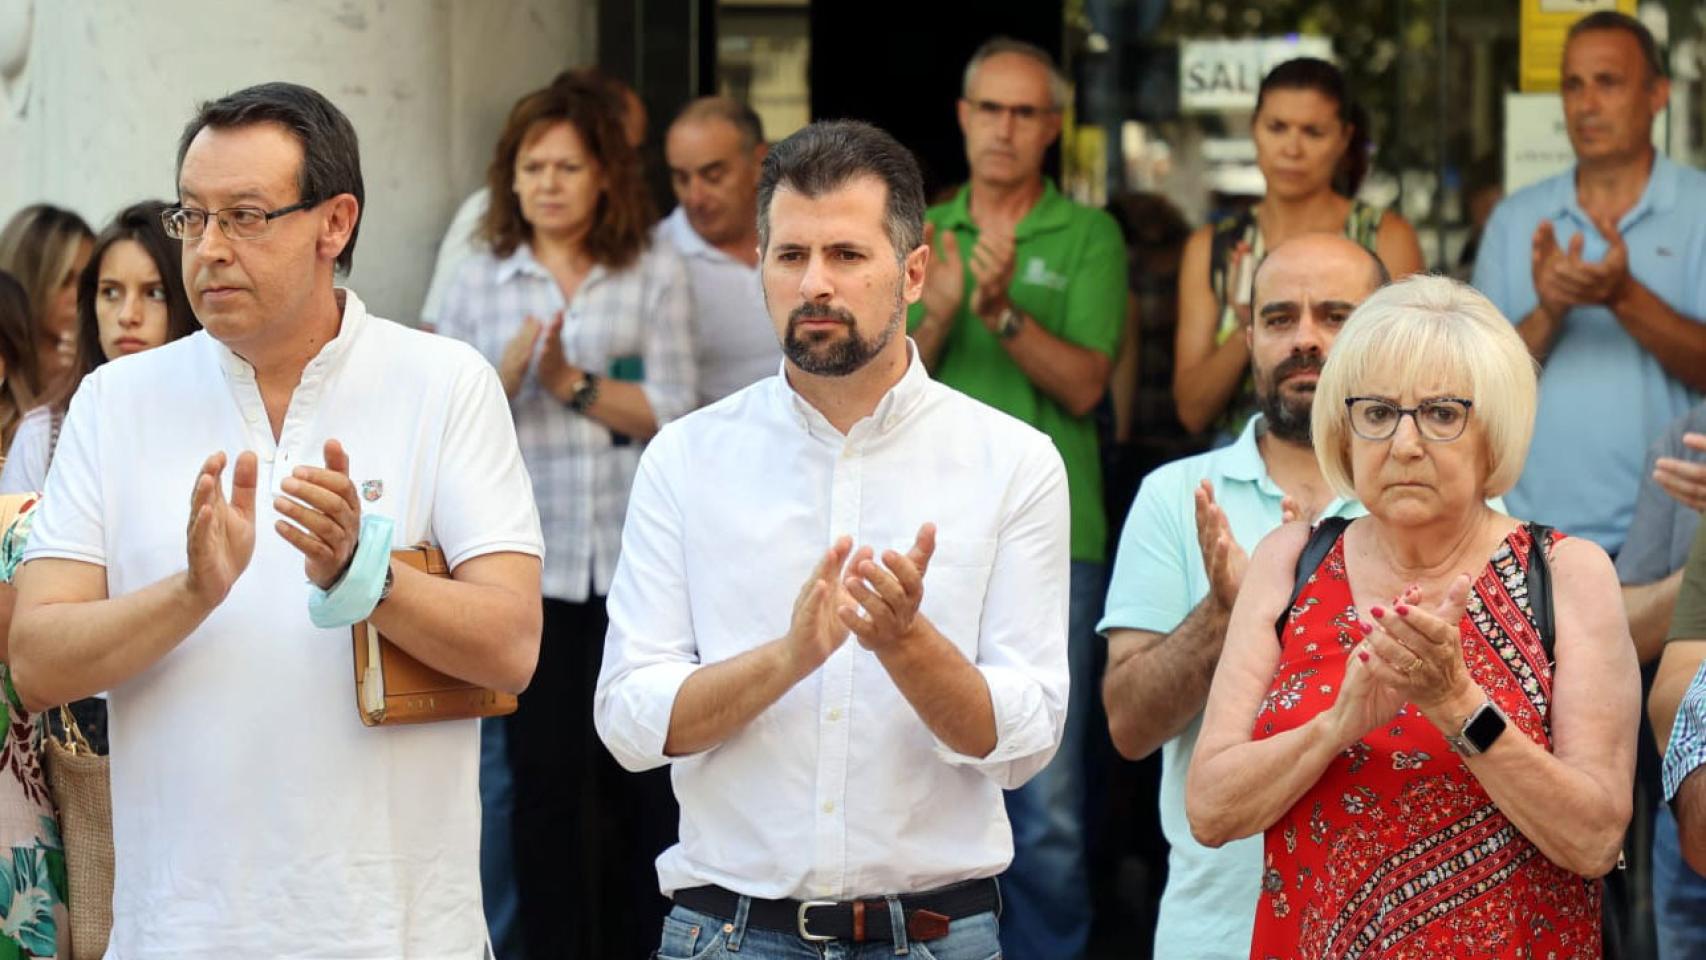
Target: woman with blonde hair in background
x: 46, y: 248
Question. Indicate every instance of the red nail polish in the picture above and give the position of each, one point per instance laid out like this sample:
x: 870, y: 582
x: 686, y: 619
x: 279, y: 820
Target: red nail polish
x: 1403, y: 610
x: 1378, y: 612
x: 1362, y: 655
x: 1366, y: 627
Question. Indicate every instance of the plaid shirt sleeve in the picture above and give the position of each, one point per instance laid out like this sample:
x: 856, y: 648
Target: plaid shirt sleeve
x: 671, y: 382
x: 1687, y: 751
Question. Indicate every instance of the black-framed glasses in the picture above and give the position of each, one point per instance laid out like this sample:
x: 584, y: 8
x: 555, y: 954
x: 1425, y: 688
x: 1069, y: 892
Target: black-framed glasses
x: 241, y: 223
x: 993, y: 110
x: 1441, y: 419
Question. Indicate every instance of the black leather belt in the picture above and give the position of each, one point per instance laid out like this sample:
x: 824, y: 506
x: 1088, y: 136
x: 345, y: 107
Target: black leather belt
x: 927, y: 914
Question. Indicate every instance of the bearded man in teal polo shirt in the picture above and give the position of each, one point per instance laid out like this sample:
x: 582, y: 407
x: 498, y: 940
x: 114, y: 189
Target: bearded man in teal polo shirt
x: 1022, y: 309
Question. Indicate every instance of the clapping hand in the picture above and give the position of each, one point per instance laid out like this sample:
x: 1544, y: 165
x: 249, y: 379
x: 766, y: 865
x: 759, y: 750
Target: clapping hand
x: 815, y: 631
x: 1222, y: 558
x: 1419, y: 651
x: 321, y: 516
x: 221, y: 533
x: 518, y: 355
x: 885, y: 597
x: 1684, y: 480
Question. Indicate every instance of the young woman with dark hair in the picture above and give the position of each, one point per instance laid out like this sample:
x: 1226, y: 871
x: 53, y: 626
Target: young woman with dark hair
x: 130, y: 298
x: 1313, y: 148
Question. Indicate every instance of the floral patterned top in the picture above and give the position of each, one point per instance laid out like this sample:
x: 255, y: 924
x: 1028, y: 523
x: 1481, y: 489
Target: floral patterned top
x: 1397, y: 852
x: 33, y: 921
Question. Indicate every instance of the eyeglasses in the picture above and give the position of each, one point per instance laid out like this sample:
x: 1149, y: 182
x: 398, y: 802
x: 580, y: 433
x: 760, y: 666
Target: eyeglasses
x: 992, y: 111
x: 242, y: 223
x: 1441, y: 420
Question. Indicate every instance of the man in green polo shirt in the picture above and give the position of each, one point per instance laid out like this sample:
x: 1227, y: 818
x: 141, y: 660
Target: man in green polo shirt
x: 1022, y: 309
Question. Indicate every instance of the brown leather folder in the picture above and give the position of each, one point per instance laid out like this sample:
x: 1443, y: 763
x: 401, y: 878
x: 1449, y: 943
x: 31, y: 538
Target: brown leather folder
x: 392, y: 687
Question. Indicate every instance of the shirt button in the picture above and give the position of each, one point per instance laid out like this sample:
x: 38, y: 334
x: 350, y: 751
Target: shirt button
x: 834, y: 714
x: 829, y: 806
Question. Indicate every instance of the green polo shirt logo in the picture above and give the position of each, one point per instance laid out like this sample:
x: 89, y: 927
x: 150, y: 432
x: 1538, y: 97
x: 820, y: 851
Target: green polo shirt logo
x: 1037, y: 274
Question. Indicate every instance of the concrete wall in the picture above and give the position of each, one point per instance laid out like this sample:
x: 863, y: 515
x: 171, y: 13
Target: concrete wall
x: 91, y: 121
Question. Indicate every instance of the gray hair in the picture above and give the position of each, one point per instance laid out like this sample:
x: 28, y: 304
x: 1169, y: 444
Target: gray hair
x: 331, y: 156
x: 826, y: 155
x: 1059, y: 88
x: 729, y: 110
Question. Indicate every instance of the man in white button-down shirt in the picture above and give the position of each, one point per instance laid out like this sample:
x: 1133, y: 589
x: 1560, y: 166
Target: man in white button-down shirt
x: 836, y: 790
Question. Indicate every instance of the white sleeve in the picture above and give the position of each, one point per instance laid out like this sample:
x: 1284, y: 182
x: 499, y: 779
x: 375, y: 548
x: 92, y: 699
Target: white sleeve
x: 27, y: 459
x: 1021, y: 649
x: 70, y: 523
x: 650, y: 650
x: 483, y: 501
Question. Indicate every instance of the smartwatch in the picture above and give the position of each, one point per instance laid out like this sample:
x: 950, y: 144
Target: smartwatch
x: 1479, y: 731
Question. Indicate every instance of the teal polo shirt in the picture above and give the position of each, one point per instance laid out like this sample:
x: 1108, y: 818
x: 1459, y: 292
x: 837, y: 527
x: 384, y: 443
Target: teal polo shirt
x: 1069, y: 276
x: 1209, y: 906
x: 1603, y: 398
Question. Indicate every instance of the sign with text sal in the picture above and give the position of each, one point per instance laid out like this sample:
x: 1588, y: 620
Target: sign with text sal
x: 1222, y: 75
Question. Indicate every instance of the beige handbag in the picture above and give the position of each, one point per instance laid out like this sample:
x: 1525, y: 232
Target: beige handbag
x: 81, y: 783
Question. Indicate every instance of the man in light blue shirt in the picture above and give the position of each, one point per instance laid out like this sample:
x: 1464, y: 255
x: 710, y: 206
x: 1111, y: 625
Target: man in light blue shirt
x: 1167, y: 606
x: 1601, y: 267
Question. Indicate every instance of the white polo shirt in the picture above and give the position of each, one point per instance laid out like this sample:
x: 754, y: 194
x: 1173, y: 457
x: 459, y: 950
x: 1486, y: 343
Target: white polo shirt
x: 734, y: 342
x: 253, y: 814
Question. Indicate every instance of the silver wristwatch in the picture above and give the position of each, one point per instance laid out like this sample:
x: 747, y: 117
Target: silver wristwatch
x: 1007, y: 325
x: 1479, y: 731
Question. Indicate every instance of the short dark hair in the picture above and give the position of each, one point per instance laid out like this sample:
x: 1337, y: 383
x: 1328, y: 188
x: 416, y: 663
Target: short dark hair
x: 1618, y: 20
x: 826, y: 155
x: 139, y: 223
x: 1377, y: 268
x: 331, y: 155
x: 1313, y: 73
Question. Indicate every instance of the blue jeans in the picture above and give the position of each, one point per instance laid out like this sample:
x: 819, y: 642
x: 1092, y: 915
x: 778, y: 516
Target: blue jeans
x: 690, y: 935
x: 1679, y: 895
x: 1046, y: 892
x: 497, y: 853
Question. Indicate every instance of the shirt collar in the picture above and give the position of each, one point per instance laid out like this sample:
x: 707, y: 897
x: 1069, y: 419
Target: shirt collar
x: 687, y: 240
x: 350, y: 325
x: 521, y: 262
x: 1052, y: 211
x: 1659, y: 195
x: 1242, y: 459
x: 891, y: 411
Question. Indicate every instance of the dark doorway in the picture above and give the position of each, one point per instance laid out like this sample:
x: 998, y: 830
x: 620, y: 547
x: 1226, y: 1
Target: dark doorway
x: 898, y: 64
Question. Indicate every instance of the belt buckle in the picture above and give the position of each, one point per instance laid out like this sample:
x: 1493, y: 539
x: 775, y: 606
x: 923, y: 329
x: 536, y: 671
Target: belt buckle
x: 806, y: 934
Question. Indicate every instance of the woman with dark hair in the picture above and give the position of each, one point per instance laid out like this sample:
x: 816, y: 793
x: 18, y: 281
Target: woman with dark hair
x: 45, y: 247
x: 18, y: 380
x: 1312, y: 145
x: 586, y: 321
x: 130, y: 298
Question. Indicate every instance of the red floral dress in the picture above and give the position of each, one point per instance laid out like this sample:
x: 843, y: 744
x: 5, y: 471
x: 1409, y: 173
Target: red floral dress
x: 1397, y: 852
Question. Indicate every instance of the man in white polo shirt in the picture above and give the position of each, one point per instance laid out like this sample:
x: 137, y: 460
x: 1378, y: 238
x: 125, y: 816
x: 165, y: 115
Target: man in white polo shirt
x: 714, y: 148
x: 253, y: 814
x: 836, y: 791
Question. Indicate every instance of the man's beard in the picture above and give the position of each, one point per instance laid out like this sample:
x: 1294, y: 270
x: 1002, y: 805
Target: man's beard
x: 821, y: 354
x: 1285, y: 419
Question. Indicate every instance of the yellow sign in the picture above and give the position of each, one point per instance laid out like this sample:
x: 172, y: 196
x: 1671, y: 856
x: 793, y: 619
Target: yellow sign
x: 1545, y: 24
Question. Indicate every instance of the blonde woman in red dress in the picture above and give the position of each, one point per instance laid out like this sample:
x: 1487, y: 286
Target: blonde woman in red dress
x: 1432, y: 776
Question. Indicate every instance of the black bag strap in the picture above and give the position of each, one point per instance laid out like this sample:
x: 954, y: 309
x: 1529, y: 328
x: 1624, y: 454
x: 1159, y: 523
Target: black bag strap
x: 1540, y: 587
x: 1228, y: 233
x: 1320, y: 543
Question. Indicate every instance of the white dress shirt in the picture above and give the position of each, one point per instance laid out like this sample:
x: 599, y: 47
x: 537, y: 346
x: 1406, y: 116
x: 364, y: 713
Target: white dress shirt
x: 839, y: 789
x: 731, y: 328
x: 620, y: 323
